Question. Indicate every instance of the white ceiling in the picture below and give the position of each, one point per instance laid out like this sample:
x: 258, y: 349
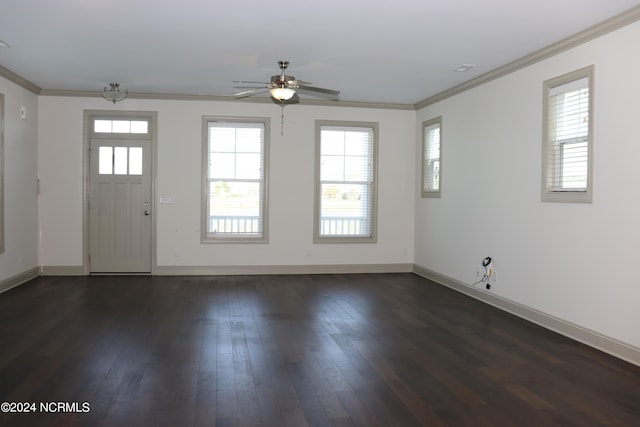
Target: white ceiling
x: 400, y: 51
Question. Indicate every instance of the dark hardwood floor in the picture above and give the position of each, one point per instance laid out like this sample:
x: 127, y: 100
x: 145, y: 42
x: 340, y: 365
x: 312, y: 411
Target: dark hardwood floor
x: 306, y: 350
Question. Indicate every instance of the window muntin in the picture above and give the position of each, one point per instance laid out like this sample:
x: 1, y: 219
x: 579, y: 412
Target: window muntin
x: 235, y: 181
x: 568, y: 143
x: 345, y: 190
x: 119, y: 160
x: 431, y: 157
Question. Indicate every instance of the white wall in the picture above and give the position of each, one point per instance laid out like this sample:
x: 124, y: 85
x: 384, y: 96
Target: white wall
x: 291, y: 184
x: 572, y: 261
x: 576, y: 262
x: 20, y: 186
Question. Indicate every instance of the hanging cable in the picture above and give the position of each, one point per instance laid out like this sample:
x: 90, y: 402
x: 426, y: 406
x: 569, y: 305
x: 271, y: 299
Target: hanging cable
x: 282, y: 117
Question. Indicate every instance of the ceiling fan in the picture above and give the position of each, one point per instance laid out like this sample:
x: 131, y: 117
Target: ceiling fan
x: 284, y: 89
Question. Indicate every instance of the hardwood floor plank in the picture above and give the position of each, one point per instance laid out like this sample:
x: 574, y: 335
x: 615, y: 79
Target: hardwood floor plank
x: 358, y: 413
x: 298, y: 350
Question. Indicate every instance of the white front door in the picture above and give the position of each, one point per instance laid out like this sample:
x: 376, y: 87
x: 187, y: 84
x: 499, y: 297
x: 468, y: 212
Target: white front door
x: 120, y: 206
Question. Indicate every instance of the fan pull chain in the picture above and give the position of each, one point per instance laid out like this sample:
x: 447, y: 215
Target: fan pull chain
x: 282, y: 119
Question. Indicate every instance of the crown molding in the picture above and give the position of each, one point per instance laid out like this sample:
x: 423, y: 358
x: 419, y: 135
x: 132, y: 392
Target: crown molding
x: 227, y: 98
x: 132, y: 95
x: 619, y: 21
x: 20, y: 81
x: 593, y: 32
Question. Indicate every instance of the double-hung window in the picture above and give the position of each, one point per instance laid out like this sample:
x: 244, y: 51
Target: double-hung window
x: 431, y: 157
x: 235, y: 169
x: 567, y: 156
x: 345, y: 182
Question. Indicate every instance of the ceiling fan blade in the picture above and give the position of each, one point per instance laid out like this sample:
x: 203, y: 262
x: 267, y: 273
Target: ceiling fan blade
x: 246, y: 93
x: 245, y: 82
x: 330, y: 94
x: 297, y: 83
x: 245, y: 88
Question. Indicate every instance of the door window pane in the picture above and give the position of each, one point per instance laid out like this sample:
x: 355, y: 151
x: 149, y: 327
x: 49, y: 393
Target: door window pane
x: 135, y: 161
x: 102, y: 126
x: 121, y: 126
x: 139, y: 126
x: 105, y: 161
x: 120, y: 161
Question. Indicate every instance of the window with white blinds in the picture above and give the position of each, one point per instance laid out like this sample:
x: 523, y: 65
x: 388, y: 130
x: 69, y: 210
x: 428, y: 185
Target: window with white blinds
x: 235, y: 183
x: 431, y: 157
x: 567, y: 155
x: 346, y: 174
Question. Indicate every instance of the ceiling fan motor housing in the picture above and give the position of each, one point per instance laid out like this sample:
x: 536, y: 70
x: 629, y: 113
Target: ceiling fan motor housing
x: 282, y: 81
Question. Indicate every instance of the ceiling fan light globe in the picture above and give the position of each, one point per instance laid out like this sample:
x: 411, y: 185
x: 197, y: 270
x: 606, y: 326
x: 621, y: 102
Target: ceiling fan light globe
x: 113, y: 94
x: 282, y: 93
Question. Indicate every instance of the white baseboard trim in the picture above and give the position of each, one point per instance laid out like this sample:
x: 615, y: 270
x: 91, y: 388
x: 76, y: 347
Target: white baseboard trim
x: 57, y: 270
x: 586, y: 336
x: 19, y: 279
x: 230, y: 270
x: 280, y: 269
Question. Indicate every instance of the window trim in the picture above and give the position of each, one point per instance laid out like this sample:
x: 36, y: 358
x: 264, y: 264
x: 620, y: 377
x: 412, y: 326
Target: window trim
x: 567, y: 196
x: 427, y: 124
x: 317, y: 238
x: 204, y: 237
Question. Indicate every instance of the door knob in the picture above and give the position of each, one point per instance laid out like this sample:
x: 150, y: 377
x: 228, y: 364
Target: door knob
x: 146, y: 213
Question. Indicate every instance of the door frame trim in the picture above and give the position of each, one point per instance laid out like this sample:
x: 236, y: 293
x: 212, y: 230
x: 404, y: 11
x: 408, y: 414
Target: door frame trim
x: 88, y: 117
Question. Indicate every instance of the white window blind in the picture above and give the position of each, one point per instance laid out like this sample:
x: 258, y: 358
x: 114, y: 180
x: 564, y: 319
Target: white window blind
x: 569, y: 136
x: 431, y: 158
x: 567, y: 156
x: 235, y: 191
x: 346, y: 182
